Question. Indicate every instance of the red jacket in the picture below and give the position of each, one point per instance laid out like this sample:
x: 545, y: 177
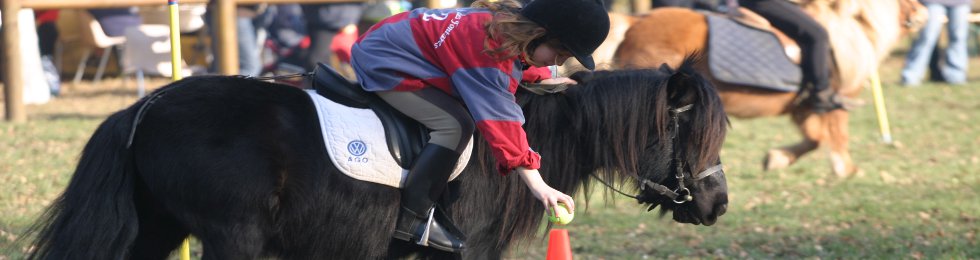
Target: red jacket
x: 444, y: 48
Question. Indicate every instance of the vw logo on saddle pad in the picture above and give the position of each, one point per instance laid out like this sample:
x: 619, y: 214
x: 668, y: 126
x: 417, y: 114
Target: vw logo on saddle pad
x: 356, y: 147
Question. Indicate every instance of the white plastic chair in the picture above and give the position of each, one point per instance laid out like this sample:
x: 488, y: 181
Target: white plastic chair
x: 191, y: 16
x: 92, y: 34
x: 147, y: 52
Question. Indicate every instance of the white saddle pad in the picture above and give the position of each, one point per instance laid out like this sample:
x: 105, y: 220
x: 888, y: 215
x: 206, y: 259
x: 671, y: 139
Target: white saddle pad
x: 355, y: 142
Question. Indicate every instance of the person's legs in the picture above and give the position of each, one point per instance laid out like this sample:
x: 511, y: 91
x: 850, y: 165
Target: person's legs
x: 47, y: 37
x: 451, y: 129
x: 323, y: 23
x: 957, y: 57
x: 320, y: 40
x: 921, y: 50
x: 815, y: 45
x: 936, y: 64
x: 249, y: 62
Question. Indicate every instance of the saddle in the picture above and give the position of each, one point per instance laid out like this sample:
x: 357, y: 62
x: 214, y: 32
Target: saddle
x: 754, y: 20
x: 747, y: 50
x: 403, y: 135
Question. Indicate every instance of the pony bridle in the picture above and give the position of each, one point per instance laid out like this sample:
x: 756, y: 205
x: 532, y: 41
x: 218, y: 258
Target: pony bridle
x: 681, y: 194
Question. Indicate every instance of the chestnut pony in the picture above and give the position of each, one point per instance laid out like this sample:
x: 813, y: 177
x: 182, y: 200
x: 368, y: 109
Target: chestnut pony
x: 862, y: 33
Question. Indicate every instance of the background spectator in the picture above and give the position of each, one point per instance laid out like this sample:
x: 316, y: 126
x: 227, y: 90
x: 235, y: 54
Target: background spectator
x: 114, y: 21
x: 249, y: 19
x: 954, y: 67
x: 47, y: 37
x: 323, y: 22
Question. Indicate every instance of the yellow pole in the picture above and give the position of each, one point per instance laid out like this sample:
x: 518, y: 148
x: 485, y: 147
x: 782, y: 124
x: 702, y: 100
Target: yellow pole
x: 879, y: 97
x: 175, y: 61
x: 175, y: 39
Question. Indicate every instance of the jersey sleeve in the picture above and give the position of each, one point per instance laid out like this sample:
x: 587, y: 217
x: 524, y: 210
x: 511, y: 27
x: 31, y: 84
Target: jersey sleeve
x: 486, y: 93
x: 536, y: 74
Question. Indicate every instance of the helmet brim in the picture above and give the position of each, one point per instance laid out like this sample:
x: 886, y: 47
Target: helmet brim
x: 586, y: 61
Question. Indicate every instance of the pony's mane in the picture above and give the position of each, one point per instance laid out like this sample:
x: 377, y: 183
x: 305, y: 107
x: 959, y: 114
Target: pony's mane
x: 602, y: 126
x: 876, y: 18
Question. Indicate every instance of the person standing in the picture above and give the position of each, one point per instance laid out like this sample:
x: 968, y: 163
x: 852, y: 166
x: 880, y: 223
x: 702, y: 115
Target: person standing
x: 249, y: 19
x: 323, y: 22
x: 954, y: 67
x: 47, y: 38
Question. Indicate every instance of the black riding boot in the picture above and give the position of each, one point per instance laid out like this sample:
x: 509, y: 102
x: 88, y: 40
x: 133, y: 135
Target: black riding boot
x: 823, y: 101
x: 420, y: 221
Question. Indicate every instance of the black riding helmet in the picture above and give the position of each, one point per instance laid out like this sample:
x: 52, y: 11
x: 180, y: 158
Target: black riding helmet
x: 580, y: 25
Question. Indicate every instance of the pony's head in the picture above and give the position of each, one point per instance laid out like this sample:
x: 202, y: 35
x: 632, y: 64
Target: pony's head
x: 692, y: 131
x: 668, y: 146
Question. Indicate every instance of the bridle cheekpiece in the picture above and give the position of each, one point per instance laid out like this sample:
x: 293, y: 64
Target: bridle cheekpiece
x: 681, y: 194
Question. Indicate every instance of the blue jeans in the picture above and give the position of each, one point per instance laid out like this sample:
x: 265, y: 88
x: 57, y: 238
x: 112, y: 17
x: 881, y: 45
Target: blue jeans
x: 955, y: 67
x: 249, y: 62
x: 249, y: 50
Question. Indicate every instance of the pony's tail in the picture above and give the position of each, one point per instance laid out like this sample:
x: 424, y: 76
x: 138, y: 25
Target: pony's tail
x: 95, y: 217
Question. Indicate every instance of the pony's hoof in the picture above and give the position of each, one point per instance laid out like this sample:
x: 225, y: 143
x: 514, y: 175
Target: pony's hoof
x: 843, y: 168
x: 777, y: 159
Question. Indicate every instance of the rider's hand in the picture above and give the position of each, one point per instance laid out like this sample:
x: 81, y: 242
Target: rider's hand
x: 557, y: 81
x: 548, y: 196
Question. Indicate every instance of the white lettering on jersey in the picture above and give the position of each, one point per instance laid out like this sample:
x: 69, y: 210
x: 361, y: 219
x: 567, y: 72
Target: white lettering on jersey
x: 434, y: 15
x: 452, y: 25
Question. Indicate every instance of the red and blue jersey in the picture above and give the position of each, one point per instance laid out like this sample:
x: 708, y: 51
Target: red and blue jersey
x: 444, y: 48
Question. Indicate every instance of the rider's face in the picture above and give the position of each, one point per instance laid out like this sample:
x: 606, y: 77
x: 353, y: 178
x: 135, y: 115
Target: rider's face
x: 548, y: 54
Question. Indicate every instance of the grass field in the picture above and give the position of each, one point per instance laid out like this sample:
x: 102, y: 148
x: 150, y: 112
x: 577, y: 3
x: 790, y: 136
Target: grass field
x: 915, y: 199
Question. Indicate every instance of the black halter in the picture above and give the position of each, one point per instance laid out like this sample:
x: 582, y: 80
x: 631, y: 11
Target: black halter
x: 681, y: 194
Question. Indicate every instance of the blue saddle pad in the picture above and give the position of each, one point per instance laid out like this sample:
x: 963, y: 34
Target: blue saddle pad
x: 739, y: 54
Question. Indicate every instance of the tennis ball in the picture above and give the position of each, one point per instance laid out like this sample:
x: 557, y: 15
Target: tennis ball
x: 560, y: 215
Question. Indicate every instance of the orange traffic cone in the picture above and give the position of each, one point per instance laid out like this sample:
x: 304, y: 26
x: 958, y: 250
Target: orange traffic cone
x: 558, y: 246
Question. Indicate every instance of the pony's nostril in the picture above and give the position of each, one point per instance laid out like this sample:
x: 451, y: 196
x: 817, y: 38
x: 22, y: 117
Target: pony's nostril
x: 719, y: 210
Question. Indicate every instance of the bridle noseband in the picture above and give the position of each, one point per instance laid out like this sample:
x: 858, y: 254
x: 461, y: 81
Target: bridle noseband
x: 681, y: 194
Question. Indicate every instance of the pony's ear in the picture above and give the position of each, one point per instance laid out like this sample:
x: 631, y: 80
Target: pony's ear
x: 582, y: 76
x: 682, y: 87
x: 665, y: 69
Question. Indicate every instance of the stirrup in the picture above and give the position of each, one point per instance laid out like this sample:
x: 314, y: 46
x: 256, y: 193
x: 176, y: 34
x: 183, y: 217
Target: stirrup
x: 424, y: 240
x: 821, y: 106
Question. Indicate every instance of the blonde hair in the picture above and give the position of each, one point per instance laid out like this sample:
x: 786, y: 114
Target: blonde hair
x: 514, y: 32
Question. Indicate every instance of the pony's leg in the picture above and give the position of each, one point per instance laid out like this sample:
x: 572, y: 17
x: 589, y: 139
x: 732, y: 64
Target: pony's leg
x: 782, y: 157
x: 828, y: 129
x: 234, y: 241
x: 812, y: 128
x: 159, y: 235
x: 836, y: 140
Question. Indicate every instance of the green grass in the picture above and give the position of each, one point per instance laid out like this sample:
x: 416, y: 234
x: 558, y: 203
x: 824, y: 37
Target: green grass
x: 915, y: 199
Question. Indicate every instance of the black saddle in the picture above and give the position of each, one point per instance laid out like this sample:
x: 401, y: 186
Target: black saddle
x: 404, y: 135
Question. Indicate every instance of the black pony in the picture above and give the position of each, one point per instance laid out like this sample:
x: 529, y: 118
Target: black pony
x: 238, y: 163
